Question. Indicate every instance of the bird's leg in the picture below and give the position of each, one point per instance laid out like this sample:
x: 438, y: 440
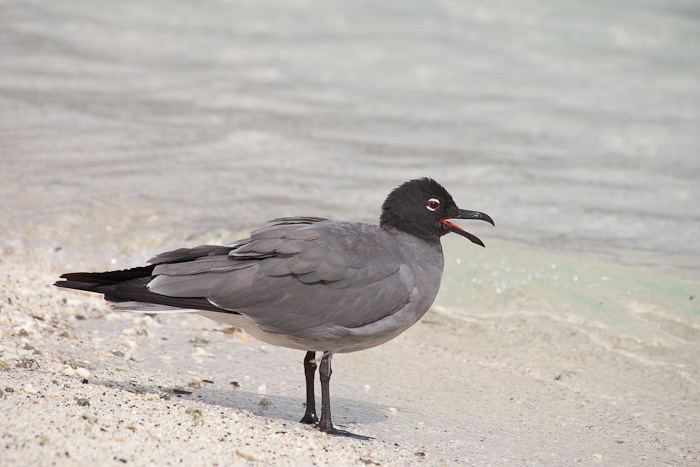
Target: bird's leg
x: 325, y: 373
x: 310, y: 416
x: 325, y: 424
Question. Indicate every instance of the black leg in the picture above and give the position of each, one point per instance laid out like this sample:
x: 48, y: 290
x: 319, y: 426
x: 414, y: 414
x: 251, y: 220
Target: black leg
x: 326, y: 425
x: 310, y: 416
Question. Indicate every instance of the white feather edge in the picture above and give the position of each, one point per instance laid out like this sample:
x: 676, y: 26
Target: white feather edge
x: 142, y: 307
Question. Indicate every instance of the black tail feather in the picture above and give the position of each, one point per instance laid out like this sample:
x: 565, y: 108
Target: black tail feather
x: 129, y: 285
x: 136, y: 291
x: 108, y: 277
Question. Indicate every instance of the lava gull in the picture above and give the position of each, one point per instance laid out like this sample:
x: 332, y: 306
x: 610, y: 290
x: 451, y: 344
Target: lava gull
x: 306, y: 283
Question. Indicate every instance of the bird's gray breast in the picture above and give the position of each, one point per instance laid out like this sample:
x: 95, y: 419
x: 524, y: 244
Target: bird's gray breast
x: 422, y: 267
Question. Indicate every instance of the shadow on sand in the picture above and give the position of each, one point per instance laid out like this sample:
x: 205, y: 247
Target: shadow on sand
x: 270, y: 406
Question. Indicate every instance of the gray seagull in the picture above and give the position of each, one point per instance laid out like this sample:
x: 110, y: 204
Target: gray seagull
x: 306, y: 283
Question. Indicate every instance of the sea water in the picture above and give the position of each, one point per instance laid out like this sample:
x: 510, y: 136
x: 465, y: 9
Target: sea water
x: 131, y: 127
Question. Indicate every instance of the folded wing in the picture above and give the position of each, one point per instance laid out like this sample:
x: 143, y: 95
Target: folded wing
x: 298, y: 273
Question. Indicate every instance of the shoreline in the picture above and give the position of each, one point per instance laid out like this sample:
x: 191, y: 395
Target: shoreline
x: 478, y: 390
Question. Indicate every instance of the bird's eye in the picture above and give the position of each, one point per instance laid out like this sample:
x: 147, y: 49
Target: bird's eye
x: 433, y: 204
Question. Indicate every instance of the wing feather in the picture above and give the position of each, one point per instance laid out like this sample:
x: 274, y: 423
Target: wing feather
x: 299, y: 274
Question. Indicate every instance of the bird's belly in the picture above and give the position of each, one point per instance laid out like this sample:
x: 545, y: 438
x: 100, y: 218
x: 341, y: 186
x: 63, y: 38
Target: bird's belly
x: 250, y: 327
x: 335, y: 339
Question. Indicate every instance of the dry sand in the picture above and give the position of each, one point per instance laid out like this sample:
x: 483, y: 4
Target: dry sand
x: 84, y: 385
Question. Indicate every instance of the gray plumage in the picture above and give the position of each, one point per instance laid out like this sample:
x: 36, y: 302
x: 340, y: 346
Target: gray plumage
x: 306, y: 283
x: 323, y: 285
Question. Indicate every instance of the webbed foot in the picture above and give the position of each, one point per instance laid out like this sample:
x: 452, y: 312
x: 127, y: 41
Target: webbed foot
x: 331, y: 430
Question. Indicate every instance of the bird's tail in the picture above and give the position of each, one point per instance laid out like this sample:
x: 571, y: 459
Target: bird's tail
x: 92, y: 281
x: 127, y: 290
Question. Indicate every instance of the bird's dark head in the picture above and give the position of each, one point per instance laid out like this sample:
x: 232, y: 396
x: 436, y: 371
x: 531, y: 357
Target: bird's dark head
x: 422, y: 207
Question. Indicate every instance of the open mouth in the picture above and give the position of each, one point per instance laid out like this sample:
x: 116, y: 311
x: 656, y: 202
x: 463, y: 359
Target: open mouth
x: 466, y: 214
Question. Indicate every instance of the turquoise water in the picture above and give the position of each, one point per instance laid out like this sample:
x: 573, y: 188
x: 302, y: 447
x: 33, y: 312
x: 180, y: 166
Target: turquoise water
x: 642, y: 315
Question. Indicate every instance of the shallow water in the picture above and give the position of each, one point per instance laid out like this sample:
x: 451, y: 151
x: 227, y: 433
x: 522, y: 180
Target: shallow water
x: 130, y: 127
x: 644, y: 317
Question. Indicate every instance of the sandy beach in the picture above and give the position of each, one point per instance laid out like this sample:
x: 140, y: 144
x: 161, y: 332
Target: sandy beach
x: 132, y: 128
x: 83, y: 384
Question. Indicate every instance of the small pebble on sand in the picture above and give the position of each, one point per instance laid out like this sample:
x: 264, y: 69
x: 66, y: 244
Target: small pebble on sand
x: 201, y: 353
x: 130, y: 343
x: 368, y: 461
x: 249, y: 456
x: 196, y: 414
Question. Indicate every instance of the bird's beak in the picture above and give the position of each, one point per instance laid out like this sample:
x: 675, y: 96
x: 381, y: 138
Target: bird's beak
x: 466, y: 214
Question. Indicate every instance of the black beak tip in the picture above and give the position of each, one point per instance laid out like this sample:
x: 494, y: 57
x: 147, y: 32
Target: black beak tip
x: 487, y: 218
x: 477, y: 215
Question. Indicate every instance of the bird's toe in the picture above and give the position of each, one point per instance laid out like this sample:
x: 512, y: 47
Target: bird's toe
x: 331, y: 430
x: 309, y: 418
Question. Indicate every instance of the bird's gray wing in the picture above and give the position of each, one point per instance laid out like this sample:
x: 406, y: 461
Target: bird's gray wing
x: 190, y: 254
x: 182, y: 255
x: 299, y: 274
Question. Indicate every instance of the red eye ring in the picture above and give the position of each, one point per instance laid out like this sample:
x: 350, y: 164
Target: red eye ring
x: 433, y: 204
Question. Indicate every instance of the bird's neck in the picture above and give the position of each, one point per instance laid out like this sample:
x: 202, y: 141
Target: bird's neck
x: 414, y: 246
x: 412, y: 230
